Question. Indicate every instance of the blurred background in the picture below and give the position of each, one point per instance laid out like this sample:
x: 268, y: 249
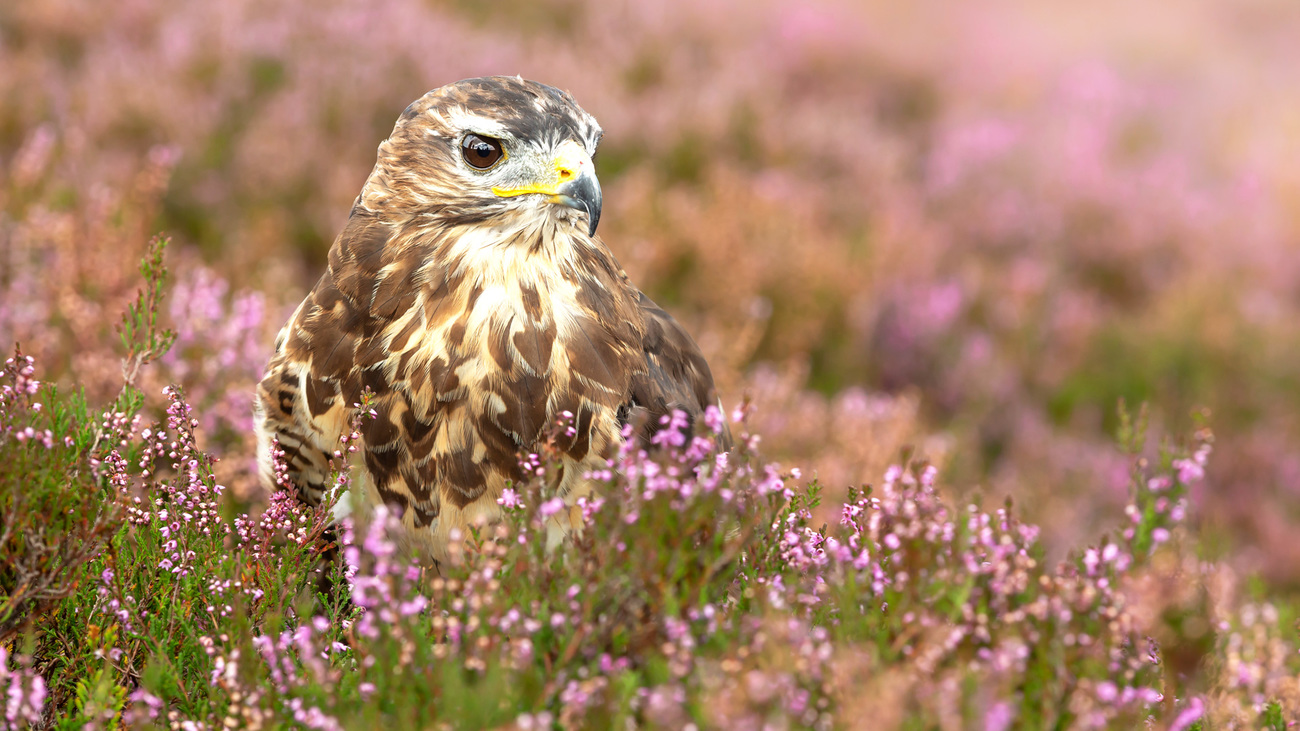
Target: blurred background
x: 952, y: 231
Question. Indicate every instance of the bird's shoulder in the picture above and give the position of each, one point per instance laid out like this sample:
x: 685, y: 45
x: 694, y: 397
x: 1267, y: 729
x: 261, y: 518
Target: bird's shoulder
x: 673, y: 373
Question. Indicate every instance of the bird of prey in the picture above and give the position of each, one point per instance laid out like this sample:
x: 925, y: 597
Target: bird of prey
x: 469, y: 293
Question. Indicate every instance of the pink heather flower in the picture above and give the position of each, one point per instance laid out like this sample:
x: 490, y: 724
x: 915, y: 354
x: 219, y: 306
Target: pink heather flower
x: 849, y: 513
x: 529, y: 722
x: 1150, y: 696
x: 738, y: 414
x: 25, y: 696
x: 928, y: 476
x: 1189, y: 470
x: 589, y: 506
x: 673, y: 433
x: 414, y: 606
x: 1179, y: 511
x: 146, y: 702
x: 1091, y: 560
x: 772, y: 482
x: 714, y: 419
x: 510, y: 499
x: 1195, y: 709
x: 551, y: 507
x: 1107, y: 692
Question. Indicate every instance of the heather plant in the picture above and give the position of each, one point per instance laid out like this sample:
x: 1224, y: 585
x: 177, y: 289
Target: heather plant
x: 52, y: 514
x: 932, y: 249
x: 166, y: 582
x: 700, y: 590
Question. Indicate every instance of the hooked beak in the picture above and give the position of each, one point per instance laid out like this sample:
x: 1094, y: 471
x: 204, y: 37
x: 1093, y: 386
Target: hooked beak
x: 574, y: 185
x: 582, y: 193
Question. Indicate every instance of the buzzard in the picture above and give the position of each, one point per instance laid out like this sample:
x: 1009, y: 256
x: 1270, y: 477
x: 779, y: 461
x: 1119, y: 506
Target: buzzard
x: 469, y: 293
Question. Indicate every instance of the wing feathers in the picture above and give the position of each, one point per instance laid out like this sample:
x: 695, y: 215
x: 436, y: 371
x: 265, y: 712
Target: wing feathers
x: 676, y: 376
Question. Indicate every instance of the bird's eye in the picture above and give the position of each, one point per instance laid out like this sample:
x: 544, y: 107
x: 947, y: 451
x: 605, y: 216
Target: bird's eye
x: 481, y: 152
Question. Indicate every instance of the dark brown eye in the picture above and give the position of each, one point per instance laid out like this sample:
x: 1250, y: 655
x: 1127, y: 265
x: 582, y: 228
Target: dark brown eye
x: 481, y: 152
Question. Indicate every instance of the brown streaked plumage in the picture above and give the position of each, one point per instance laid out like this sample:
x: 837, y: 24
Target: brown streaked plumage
x: 478, y: 306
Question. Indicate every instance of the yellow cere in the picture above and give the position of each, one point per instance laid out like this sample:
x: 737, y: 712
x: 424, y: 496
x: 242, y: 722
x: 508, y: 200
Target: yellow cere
x: 569, y: 160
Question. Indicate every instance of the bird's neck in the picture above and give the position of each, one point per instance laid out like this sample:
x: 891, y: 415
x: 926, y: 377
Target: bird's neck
x: 526, y: 249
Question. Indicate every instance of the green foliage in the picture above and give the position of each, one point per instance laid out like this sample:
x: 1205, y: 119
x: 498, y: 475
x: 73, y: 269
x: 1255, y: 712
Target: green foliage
x: 700, y: 590
x: 142, y: 338
x: 53, y: 511
x: 1272, y: 718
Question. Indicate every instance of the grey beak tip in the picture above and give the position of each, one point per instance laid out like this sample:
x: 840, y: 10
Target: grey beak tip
x: 583, y: 194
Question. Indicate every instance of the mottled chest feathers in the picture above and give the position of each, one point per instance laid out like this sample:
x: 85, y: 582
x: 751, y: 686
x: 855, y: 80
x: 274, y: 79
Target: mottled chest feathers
x: 480, y: 366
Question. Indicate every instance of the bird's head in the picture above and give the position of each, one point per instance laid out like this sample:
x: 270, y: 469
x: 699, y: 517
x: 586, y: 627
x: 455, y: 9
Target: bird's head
x: 495, y: 150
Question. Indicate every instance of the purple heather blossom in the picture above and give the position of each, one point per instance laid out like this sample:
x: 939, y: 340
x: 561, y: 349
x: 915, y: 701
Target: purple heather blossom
x: 999, y: 717
x: 145, y: 706
x: 1189, y: 715
x: 510, y: 499
x: 551, y: 507
x: 1107, y: 692
x: 714, y: 419
x: 24, y: 693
